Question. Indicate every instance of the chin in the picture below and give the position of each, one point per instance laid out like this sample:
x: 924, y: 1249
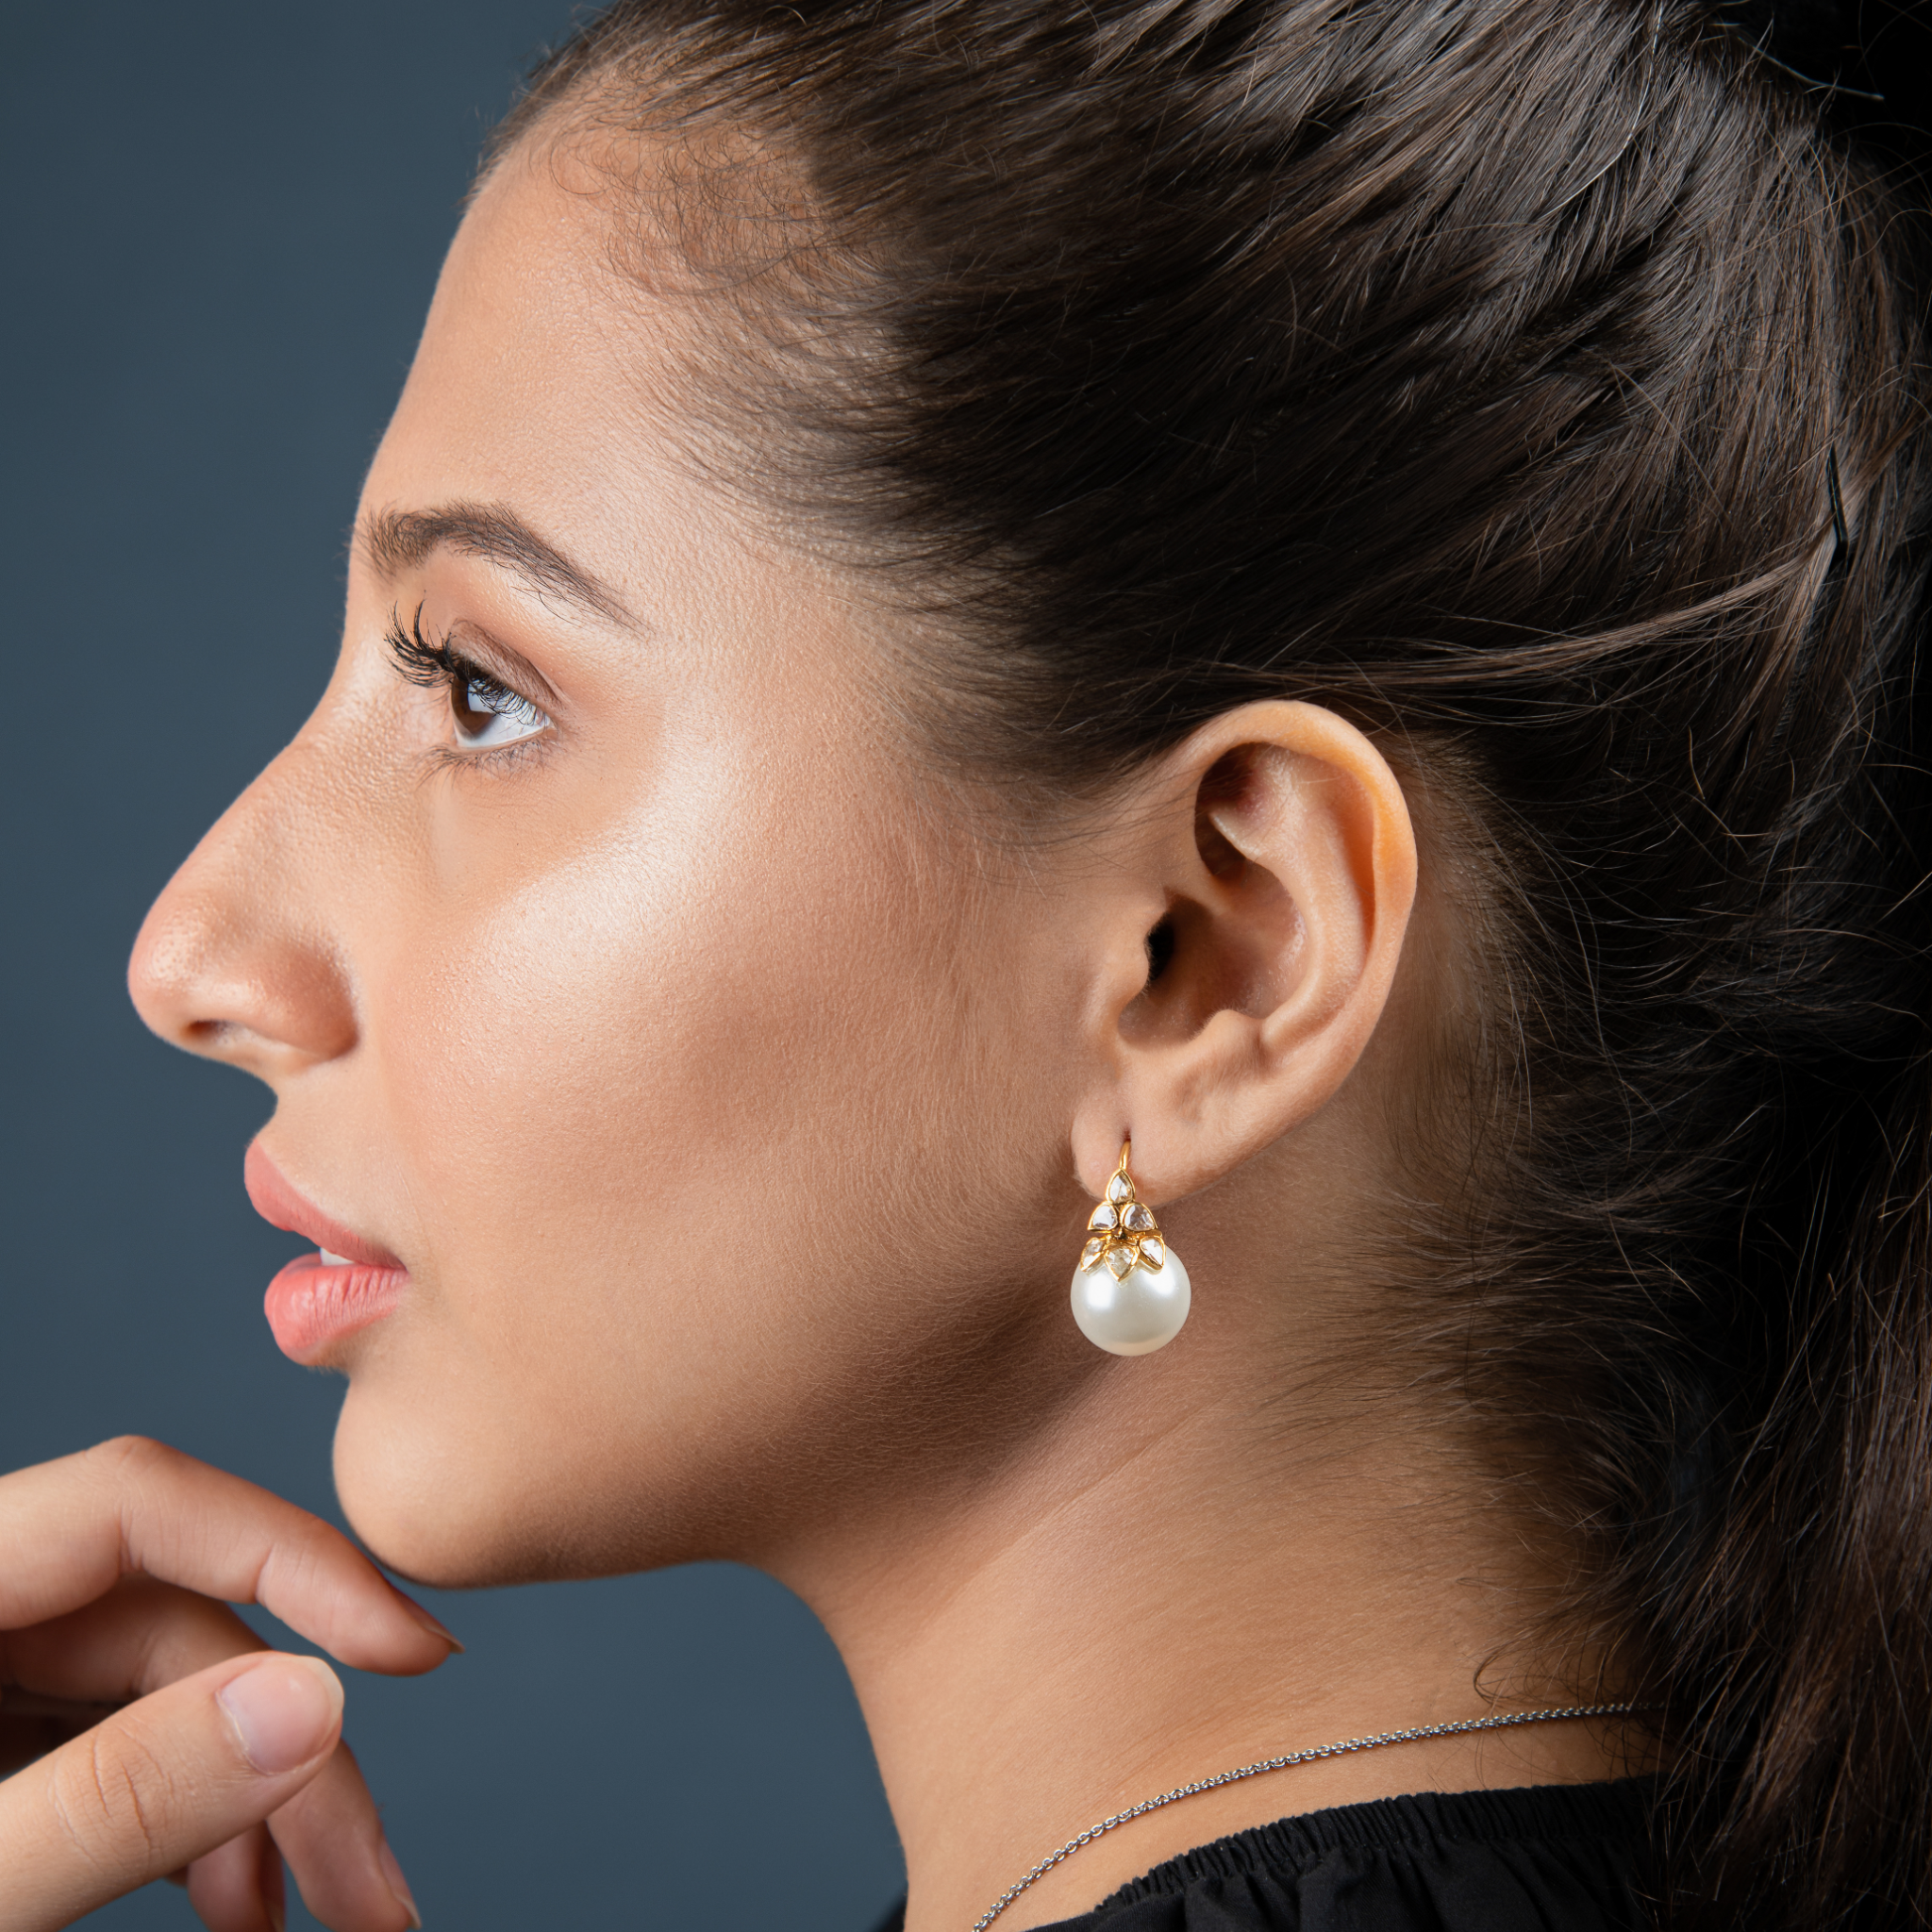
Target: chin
x: 467, y: 1502
x: 428, y: 1507
x: 421, y: 1514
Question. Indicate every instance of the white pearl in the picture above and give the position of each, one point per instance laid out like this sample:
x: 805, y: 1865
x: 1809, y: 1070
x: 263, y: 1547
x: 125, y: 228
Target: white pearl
x: 1133, y: 1316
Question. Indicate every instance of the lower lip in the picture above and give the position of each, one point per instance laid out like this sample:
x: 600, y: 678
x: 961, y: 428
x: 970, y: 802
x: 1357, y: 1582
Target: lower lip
x: 313, y: 1304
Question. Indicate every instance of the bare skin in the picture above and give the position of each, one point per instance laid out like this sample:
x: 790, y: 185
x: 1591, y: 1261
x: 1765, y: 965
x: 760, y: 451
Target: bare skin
x: 736, y: 1106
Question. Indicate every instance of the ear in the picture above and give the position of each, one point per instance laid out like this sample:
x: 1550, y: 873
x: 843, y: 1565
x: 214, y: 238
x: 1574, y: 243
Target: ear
x: 1279, y: 842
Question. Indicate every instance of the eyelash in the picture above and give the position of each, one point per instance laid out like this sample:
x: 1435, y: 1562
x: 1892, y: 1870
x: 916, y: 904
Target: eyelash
x: 438, y: 666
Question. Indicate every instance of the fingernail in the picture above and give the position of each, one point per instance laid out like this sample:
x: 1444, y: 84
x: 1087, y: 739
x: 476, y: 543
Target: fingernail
x: 398, y: 1884
x: 285, y: 1711
x: 427, y: 1621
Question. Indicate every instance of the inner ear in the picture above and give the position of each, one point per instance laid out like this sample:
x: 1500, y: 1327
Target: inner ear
x: 1233, y: 943
x: 1160, y: 944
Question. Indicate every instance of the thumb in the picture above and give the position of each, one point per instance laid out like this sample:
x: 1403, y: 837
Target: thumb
x: 155, y: 1786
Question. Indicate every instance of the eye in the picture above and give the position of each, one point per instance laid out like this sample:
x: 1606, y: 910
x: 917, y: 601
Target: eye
x: 488, y: 714
x: 485, y: 714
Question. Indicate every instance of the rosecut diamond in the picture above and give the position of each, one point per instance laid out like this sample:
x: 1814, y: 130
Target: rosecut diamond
x: 1103, y: 1216
x: 1153, y: 1252
x: 1093, y: 1251
x: 1137, y: 1216
x: 1119, y: 1188
x: 1119, y: 1261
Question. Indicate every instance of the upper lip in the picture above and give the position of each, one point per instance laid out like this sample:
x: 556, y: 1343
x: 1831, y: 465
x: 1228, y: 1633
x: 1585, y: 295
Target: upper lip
x: 278, y: 1204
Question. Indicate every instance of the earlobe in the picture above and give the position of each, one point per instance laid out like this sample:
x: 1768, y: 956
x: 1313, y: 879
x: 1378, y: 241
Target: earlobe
x: 1288, y: 866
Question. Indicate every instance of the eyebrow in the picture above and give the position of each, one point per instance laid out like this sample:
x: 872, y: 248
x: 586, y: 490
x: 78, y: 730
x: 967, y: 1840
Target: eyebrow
x: 398, y: 539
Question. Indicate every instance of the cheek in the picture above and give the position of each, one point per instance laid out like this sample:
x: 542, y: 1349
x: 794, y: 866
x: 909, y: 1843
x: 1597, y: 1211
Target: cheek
x: 580, y: 1078
x: 688, y: 1113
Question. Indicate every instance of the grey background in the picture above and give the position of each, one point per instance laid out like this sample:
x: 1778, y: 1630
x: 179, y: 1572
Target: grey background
x: 221, y: 226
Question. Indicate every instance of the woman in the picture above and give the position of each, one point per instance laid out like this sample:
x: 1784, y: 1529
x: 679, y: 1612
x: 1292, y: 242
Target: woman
x: 989, y: 636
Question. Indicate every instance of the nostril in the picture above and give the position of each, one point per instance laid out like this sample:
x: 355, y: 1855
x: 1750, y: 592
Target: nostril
x: 249, y: 991
x: 238, y: 959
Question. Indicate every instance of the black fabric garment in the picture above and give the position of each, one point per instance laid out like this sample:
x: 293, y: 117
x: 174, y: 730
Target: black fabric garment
x: 1546, y: 1858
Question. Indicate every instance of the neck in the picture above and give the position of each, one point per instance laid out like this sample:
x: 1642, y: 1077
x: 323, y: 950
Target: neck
x: 1163, y: 1587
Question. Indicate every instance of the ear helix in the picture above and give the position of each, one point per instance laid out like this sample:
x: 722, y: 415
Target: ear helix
x: 1130, y: 1293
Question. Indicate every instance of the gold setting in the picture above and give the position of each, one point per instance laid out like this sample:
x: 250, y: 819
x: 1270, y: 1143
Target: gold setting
x: 1121, y: 1233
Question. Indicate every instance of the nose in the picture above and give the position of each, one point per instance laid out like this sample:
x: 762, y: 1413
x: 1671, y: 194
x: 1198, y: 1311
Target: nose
x: 236, y: 959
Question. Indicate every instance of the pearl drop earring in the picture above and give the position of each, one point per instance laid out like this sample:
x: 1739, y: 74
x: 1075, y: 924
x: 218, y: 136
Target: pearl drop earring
x: 1130, y: 1293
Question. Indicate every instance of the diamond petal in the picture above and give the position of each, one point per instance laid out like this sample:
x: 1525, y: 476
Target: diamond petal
x: 1104, y: 1216
x: 1120, y: 1262
x: 1137, y: 1217
x: 1119, y: 1188
x: 1093, y: 1251
x: 1153, y: 1252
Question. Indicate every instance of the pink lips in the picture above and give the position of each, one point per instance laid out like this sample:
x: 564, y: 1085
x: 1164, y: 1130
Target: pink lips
x: 312, y: 1303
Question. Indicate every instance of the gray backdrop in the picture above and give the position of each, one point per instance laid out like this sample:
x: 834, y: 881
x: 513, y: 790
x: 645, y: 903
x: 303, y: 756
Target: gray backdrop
x: 222, y: 223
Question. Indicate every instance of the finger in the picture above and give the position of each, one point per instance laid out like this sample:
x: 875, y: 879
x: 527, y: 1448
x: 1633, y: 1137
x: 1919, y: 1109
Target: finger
x: 160, y: 1783
x: 143, y: 1634
x: 137, y: 1637
x: 238, y: 1887
x: 333, y: 1840
x: 70, y: 1529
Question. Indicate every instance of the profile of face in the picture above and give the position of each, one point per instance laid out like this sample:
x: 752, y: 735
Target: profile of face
x: 704, y: 1113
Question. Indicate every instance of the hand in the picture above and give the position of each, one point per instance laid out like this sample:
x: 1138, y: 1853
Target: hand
x: 232, y: 1758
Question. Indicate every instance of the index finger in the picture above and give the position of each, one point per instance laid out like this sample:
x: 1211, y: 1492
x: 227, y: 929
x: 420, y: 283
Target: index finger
x: 71, y: 1529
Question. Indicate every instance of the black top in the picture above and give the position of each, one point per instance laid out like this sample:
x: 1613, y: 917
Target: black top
x: 1546, y: 1858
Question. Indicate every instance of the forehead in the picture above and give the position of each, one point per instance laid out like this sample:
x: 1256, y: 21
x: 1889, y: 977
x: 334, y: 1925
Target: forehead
x: 570, y: 381
x: 543, y: 377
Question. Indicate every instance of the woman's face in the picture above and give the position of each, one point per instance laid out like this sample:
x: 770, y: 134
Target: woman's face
x: 633, y: 1002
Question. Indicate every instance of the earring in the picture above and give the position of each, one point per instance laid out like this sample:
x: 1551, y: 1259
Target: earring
x: 1130, y: 1293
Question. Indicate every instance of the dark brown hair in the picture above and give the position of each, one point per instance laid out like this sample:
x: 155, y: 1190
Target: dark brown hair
x: 1538, y: 382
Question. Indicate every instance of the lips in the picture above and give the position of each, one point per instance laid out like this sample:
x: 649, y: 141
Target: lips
x: 319, y: 1299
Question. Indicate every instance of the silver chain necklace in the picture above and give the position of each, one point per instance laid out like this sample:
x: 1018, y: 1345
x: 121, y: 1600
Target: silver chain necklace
x: 1246, y: 1771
